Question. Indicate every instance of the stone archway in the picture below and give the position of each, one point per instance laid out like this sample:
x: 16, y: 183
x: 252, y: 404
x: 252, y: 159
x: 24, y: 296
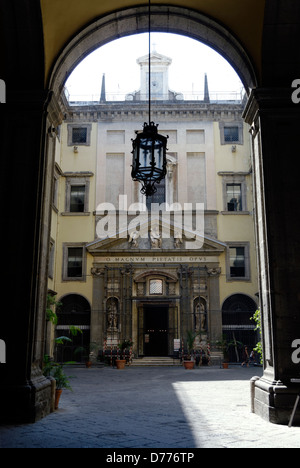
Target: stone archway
x: 168, y: 19
x: 274, y: 121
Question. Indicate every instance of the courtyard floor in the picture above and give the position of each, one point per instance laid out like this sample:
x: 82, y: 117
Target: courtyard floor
x: 154, y: 408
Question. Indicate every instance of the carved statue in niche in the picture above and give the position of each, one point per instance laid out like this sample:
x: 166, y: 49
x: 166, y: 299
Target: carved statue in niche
x: 112, y: 314
x: 155, y: 237
x: 200, y: 315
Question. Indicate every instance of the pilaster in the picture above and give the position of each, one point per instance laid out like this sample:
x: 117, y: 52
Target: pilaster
x: 98, y: 311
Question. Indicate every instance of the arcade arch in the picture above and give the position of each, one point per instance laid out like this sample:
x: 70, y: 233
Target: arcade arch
x: 134, y: 21
x: 274, y: 121
x: 170, y: 19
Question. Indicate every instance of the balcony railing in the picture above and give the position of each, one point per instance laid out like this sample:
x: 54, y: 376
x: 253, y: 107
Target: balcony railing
x: 218, y: 97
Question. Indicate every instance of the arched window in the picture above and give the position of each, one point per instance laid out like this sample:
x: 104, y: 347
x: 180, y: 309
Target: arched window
x: 238, y: 327
x: 74, y: 311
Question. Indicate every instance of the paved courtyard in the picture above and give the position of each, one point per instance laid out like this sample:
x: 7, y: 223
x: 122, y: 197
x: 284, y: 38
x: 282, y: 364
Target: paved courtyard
x: 156, y: 408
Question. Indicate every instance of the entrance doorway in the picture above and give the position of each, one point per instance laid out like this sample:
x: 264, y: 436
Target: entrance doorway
x: 156, y: 330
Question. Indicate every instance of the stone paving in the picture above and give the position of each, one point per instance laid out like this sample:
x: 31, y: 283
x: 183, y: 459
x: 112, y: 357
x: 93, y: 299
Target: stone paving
x: 155, y: 408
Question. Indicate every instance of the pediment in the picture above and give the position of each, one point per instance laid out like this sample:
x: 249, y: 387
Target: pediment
x: 155, y: 58
x: 158, y: 236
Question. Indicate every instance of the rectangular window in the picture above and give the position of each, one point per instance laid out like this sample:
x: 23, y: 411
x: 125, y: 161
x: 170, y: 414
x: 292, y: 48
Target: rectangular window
x: 156, y: 287
x: 77, y: 198
x: 75, y: 262
x: 231, y: 134
x: 79, y: 135
x: 237, y: 262
x: 234, y: 197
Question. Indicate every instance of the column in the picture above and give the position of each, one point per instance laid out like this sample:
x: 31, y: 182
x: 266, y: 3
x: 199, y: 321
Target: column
x: 25, y: 394
x: 275, y: 123
x: 214, y: 313
x: 26, y: 123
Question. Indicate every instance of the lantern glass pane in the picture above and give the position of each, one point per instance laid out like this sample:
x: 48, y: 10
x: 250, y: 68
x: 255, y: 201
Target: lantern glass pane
x: 146, y: 152
x: 135, y: 160
x: 158, y: 155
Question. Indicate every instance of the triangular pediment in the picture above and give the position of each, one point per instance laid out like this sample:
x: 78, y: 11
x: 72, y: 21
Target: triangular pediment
x: 155, y: 236
x: 155, y: 58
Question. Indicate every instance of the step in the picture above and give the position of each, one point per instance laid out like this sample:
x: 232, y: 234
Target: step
x: 155, y: 361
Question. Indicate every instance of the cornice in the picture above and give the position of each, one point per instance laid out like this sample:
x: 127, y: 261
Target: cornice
x: 163, y: 110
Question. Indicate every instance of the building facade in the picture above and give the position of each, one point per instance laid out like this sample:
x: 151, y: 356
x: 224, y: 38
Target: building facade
x: 151, y: 270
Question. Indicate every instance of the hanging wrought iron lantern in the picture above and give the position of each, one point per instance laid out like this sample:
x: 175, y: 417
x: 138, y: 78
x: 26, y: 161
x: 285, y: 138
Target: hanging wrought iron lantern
x: 149, y: 165
x: 149, y: 162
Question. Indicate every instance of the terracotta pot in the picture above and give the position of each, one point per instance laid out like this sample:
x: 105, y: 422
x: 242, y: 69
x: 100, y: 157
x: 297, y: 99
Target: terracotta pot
x: 88, y: 364
x: 189, y: 364
x: 120, y: 363
x: 57, y: 397
x: 225, y: 365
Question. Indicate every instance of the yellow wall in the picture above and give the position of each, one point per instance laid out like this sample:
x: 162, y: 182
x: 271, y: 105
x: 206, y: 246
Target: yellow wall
x: 235, y: 227
x: 74, y: 228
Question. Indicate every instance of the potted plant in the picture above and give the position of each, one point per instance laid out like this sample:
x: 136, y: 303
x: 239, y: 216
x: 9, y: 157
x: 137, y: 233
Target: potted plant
x: 55, y: 370
x: 125, y: 344
x: 62, y: 381
x: 225, y: 346
x: 189, y: 363
x: 86, y: 353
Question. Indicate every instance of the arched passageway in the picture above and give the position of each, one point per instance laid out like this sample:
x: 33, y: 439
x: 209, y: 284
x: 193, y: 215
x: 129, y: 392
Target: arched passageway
x: 26, y: 35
